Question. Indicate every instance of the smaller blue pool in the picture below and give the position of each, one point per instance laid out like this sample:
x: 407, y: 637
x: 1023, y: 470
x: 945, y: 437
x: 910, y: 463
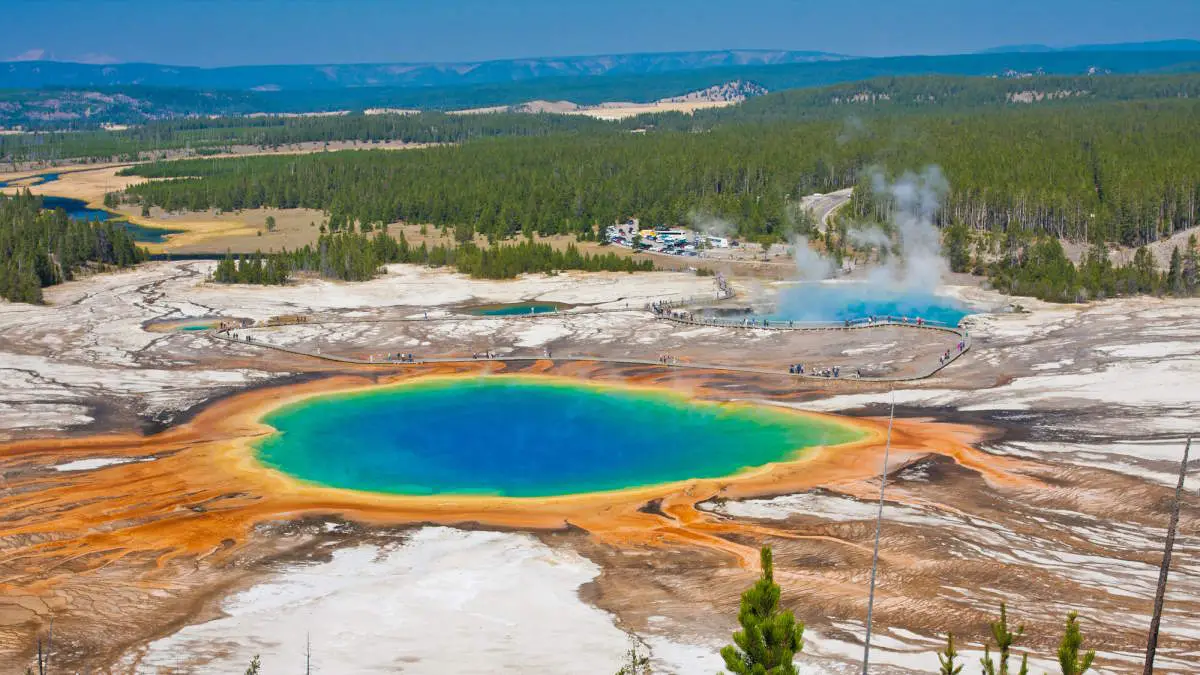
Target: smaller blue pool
x: 516, y: 309
x: 79, y: 210
x: 824, y: 302
x: 39, y: 179
x: 146, y: 235
x: 76, y: 209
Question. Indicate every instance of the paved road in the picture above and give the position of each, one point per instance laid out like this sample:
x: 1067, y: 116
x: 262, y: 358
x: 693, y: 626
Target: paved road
x: 822, y: 206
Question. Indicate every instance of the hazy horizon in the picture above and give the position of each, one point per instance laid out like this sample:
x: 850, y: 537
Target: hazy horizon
x: 220, y: 33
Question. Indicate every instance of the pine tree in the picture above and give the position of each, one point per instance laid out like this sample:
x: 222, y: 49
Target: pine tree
x: 946, y: 658
x: 226, y: 272
x: 1175, y: 272
x: 1004, y: 641
x: 254, y: 666
x: 956, y: 243
x: 770, y: 637
x: 1191, y: 270
x: 1068, y: 650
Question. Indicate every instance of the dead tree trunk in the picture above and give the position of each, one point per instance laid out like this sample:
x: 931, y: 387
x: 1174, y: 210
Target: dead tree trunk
x: 1160, y: 594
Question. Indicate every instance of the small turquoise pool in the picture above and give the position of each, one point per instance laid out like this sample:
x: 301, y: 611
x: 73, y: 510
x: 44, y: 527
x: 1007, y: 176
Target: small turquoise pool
x: 75, y: 208
x: 825, y: 302
x: 79, y: 210
x: 527, y: 437
x: 146, y: 235
x: 516, y: 309
x: 38, y: 179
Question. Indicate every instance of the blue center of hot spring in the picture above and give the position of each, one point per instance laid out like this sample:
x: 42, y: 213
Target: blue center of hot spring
x: 519, y: 437
x: 515, y: 309
x: 836, y: 302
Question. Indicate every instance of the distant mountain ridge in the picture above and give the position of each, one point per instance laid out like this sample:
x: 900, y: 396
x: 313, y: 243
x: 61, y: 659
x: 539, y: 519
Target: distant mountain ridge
x: 85, y: 106
x: 41, y: 74
x: 1152, y: 46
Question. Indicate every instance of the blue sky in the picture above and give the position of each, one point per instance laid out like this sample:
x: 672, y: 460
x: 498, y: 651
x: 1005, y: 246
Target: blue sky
x: 233, y: 32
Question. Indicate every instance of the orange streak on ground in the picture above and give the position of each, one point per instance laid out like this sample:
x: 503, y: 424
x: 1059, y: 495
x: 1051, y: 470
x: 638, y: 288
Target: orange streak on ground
x: 205, y: 491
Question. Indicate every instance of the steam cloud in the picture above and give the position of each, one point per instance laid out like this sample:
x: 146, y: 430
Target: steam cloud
x: 917, y: 263
x: 711, y: 225
x: 810, y: 264
x: 852, y: 127
x: 916, y: 198
x: 905, y: 283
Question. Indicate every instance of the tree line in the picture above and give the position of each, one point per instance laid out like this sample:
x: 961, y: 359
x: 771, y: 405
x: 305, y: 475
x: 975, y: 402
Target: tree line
x: 41, y: 248
x: 933, y: 93
x: 354, y: 256
x: 1126, y: 172
x: 867, y: 98
x: 1021, y: 263
x: 212, y: 135
x: 80, y: 108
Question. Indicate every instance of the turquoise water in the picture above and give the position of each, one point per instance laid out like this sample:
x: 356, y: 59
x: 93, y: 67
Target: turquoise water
x: 515, y: 309
x: 854, y: 301
x: 146, y: 235
x: 525, y: 438
x: 75, y: 208
x: 39, y: 179
x: 78, y: 209
x: 195, y: 327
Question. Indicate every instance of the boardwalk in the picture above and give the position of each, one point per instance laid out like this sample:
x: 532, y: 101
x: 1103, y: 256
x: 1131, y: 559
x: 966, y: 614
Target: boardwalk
x: 245, y: 337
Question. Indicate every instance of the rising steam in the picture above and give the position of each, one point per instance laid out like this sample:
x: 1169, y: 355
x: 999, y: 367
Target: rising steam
x: 715, y: 226
x: 915, y: 199
x: 911, y: 238
x: 811, y: 265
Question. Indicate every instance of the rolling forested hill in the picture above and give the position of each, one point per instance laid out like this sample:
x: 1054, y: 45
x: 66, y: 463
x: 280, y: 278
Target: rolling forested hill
x: 1124, y: 171
x: 79, y: 100
x: 858, y: 100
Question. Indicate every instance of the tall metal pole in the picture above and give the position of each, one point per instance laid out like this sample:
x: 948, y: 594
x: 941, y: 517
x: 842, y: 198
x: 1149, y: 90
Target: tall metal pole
x: 887, y: 448
x: 1160, y: 594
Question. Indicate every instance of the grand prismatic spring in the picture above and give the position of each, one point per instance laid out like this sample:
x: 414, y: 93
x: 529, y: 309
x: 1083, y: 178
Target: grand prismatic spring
x: 519, y: 437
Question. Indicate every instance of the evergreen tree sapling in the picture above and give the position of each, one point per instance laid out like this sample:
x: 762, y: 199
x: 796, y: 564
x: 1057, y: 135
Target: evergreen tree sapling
x: 1004, y: 641
x: 1068, y: 650
x: 947, y: 658
x: 770, y: 637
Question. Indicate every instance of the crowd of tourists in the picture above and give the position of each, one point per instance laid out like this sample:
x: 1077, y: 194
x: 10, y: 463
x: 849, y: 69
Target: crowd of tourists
x: 836, y: 371
x: 946, y: 358
x: 830, y: 372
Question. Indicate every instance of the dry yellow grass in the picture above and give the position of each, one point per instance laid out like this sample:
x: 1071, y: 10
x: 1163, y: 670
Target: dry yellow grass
x: 239, y: 232
x: 205, y: 231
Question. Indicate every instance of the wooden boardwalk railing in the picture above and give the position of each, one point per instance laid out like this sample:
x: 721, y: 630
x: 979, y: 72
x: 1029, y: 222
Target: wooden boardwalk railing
x: 247, y: 339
